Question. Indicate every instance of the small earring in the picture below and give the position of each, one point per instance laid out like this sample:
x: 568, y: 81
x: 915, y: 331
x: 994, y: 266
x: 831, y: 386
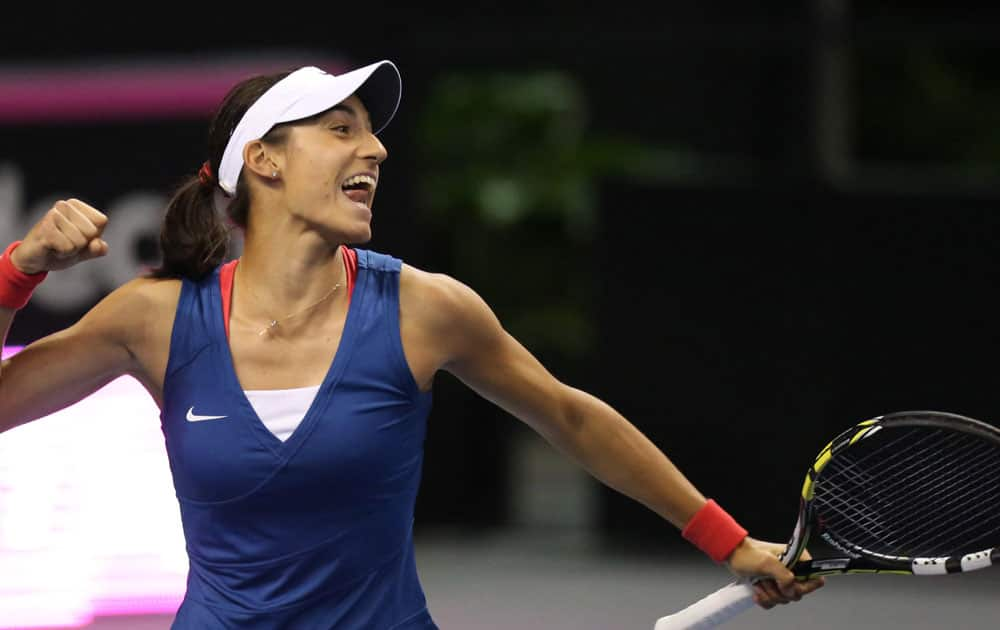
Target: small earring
x: 274, y: 174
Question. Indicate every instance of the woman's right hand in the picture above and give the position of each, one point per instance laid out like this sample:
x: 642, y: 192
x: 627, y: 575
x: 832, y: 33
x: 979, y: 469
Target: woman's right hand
x: 755, y: 558
x: 69, y: 233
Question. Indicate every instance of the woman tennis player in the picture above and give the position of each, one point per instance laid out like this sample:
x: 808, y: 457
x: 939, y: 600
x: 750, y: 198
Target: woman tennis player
x: 294, y: 383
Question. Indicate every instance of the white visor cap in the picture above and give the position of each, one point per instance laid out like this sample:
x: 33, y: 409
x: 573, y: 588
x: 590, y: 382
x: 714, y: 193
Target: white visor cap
x: 306, y: 92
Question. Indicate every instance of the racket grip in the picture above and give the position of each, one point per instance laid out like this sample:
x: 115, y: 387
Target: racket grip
x: 710, y: 611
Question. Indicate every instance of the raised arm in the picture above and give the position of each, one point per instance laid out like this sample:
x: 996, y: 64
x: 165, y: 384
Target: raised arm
x: 62, y: 368
x: 474, y: 347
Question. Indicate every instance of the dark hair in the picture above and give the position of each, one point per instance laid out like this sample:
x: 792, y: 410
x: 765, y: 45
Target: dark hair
x: 194, y: 239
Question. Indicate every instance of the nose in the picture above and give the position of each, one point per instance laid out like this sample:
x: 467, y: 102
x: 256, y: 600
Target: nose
x: 373, y: 149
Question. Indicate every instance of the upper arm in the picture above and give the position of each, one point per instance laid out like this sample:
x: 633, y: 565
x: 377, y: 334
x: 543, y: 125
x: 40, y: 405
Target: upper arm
x: 65, y: 367
x: 472, y: 345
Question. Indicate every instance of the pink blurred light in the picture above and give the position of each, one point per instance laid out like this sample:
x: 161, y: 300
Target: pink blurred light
x: 48, y: 615
x: 99, y: 93
x: 152, y: 605
x: 78, y: 539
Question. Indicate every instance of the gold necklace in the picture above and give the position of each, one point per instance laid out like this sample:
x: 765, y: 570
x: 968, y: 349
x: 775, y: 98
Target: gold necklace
x: 274, y: 322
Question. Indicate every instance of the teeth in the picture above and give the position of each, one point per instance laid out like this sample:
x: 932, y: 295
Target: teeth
x: 360, y: 179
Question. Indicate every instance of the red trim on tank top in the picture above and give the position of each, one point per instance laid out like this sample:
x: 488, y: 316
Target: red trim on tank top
x: 229, y: 270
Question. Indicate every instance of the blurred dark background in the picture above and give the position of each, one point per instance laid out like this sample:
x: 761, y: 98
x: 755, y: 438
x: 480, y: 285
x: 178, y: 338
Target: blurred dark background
x: 744, y: 225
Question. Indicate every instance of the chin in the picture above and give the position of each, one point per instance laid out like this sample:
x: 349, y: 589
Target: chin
x: 358, y: 236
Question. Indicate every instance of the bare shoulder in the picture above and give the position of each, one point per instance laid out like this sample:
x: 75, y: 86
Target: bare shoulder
x: 436, y: 298
x: 138, y: 306
x: 153, y: 292
x: 445, y: 314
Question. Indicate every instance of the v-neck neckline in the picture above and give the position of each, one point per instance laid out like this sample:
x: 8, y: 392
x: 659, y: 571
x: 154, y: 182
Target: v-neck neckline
x: 284, y: 449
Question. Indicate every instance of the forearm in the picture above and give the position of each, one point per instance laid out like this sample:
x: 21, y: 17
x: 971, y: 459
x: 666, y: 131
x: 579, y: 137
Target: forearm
x: 619, y: 455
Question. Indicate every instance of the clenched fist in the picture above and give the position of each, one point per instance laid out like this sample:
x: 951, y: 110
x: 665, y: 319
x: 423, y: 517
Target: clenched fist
x: 68, y: 234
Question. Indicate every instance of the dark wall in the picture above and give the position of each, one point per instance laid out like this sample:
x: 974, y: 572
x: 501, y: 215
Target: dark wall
x: 743, y: 317
x: 743, y: 328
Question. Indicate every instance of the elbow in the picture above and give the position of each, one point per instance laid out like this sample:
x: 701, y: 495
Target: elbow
x: 572, y: 414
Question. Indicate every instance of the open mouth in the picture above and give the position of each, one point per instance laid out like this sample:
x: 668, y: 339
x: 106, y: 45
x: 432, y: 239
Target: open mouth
x: 359, y: 188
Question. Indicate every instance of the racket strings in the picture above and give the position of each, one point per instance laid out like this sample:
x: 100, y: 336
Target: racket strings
x: 950, y: 477
x: 894, y: 529
x: 936, y: 533
x: 851, y: 489
x: 958, y: 535
x: 920, y: 537
x: 933, y: 530
x: 894, y: 469
x: 902, y: 512
x: 989, y: 537
x: 890, y: 459
x: 847, y: 469
x: 924, y: 492
x: 933, y: 538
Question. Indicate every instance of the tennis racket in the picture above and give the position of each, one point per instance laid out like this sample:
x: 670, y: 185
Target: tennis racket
x: 912, y: 493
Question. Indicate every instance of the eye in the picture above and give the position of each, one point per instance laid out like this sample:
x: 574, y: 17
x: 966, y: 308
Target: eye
x: 342, y: 128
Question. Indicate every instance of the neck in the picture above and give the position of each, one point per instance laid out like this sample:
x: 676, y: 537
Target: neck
x: 283, y: 273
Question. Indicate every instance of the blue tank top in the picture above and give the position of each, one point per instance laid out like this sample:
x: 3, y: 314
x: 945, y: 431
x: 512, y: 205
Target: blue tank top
x: 314, y: 532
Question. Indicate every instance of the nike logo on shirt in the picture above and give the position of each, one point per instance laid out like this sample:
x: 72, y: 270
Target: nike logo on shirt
x: 191, y: 417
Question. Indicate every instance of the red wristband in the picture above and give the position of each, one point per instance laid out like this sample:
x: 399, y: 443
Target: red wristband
x: 15, y: 285
x: 714, y: 531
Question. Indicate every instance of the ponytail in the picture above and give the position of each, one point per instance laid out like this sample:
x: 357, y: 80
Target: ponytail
x: 194, y: 239
x: 195, y: 236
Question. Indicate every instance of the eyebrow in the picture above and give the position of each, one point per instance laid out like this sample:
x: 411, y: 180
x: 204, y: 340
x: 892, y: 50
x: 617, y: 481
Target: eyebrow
x: 347, y: 109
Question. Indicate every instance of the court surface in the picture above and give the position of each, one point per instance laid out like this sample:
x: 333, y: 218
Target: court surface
x: 558, y: 582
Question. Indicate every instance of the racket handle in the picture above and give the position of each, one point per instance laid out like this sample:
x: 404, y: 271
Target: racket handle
x: 710, y: 611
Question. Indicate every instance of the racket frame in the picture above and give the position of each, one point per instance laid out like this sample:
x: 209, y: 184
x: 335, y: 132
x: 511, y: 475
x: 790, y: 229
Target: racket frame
x: 732, y: 600
x: 856, y: 559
